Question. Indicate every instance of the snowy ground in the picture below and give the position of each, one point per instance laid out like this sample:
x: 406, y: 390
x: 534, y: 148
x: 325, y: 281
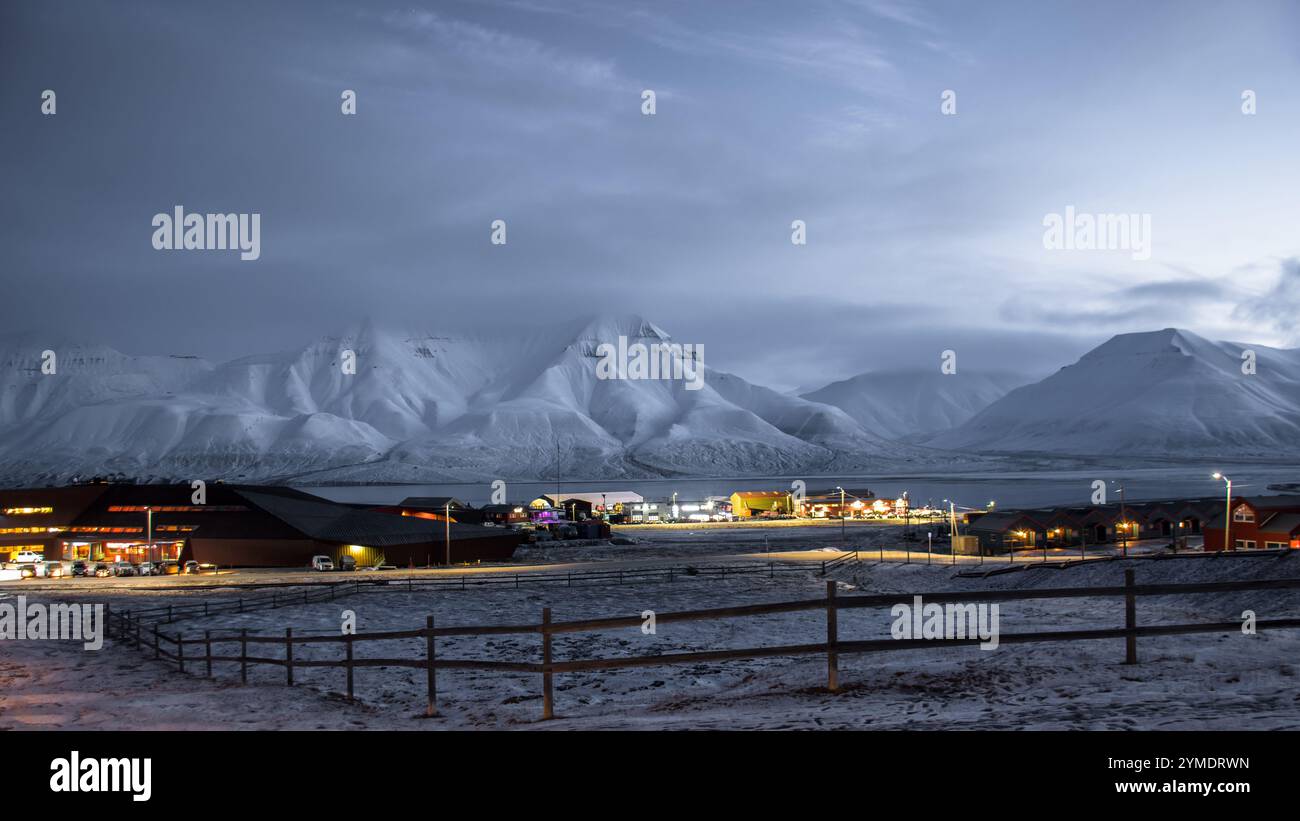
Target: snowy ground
x: 1184, y: 682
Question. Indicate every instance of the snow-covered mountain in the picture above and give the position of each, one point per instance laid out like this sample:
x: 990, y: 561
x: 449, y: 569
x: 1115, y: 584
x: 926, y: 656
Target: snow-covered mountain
x: 1166, y: 392
x: 908, y: 403
x: 419, y: 407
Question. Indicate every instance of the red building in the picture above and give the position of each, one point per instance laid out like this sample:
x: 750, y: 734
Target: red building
x: 1258, y: 523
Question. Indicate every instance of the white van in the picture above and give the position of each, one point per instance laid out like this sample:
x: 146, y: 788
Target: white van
x: 322, y: 563
x: 28, y: 556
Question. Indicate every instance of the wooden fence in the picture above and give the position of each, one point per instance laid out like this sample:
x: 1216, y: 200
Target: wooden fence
x: 190, y: 650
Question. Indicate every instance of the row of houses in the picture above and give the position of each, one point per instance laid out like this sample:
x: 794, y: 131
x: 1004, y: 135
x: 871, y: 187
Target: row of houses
x: 1258, y: 522
x: 235, y: 525
x: 627, y: 507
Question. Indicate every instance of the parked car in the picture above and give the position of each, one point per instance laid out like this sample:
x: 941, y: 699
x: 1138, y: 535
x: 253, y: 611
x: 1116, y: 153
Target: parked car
x: 27, y: 570
x: 347, y: 563
x: 170, y: 568
x: 80, y: 567
x: 148, y: 569
x: 322, y: 563
x: 50, y: 570
x: 102, y: 571
x: 191, y: 567
x: 123, y: 569
x: 28, y: 557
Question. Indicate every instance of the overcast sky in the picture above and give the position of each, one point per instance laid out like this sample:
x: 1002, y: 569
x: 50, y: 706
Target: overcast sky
x: 924, y: 230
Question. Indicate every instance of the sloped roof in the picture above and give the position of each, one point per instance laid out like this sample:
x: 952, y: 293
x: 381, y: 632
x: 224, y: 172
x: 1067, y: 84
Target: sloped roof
x: 1286, y: 523
x: 431, y: 502
x: 329, y: 522
x: 1001, y: 521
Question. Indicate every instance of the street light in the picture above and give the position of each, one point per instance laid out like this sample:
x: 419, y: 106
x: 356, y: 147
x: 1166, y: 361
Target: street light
x: 1227, y: 509
x: 843, y: 525
x: 1123, y: 518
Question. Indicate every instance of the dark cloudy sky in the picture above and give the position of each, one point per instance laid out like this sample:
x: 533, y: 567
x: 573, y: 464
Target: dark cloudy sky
x: 924, y: 230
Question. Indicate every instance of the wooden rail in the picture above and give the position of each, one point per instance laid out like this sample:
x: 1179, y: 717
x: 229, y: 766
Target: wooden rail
x: 126, y: 627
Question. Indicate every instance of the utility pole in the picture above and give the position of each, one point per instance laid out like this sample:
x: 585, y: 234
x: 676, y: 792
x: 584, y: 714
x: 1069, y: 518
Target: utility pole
x: 447, y: 526
x: 1227, y: 510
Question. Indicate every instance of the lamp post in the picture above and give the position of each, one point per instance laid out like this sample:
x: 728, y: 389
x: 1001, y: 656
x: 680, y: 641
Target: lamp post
x: 1227, y: 510
x: 447, y: 527
x: 843, y: 526
x: 1123, y: 521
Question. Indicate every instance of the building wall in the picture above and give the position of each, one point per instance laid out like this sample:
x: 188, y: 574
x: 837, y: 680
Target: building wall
x: 256, y: 552
x: 465, y: 551
x: 1249, y: 531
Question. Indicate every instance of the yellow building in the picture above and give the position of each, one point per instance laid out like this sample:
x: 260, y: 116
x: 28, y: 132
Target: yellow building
x: 747, y: 503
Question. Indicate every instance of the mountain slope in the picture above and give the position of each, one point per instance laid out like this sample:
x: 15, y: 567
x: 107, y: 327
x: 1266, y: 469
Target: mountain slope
x: 1166, y: 392
x: 906, y: 403
x: 422, y: 407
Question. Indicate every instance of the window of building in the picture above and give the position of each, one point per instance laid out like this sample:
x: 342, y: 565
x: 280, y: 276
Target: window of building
x: 26, y: 511
x: 1243, y: 514
x: 1245, y: 544
x: 1274, y: 545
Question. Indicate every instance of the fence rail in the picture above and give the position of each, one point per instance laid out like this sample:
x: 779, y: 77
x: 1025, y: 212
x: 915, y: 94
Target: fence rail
x: 128, y: 627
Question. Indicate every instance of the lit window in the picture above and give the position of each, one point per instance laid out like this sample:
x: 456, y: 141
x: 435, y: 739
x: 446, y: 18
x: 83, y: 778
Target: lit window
x: 1243, y: 514
x: 26, y: 511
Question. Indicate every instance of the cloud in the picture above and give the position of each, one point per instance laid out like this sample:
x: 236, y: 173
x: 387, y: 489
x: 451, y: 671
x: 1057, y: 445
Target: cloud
x: 1280, y: 306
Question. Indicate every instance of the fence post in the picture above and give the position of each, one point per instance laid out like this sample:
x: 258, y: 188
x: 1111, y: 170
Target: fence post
x: 1130, y: 619
x: 347, y: 642
x: 241, y: 604
x: 155, y: 640
x: 207, y: 645
x: 548, y: 696
x: 832, y: 638
x: 180, y: 653
x: 243, y: 655
x: 429, y: 654
x: 169, y: 614
x: 288, y: 656
x: 137, y: 633
x: 205, y: 608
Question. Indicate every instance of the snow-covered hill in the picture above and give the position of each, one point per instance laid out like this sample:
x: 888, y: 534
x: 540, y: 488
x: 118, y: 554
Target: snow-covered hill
x: 908, y: 403
x: 1166, y: 392
x: 419, y: 407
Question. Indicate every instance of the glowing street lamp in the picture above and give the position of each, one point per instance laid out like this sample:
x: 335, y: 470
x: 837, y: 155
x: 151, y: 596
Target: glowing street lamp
x: 1227, y: 510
